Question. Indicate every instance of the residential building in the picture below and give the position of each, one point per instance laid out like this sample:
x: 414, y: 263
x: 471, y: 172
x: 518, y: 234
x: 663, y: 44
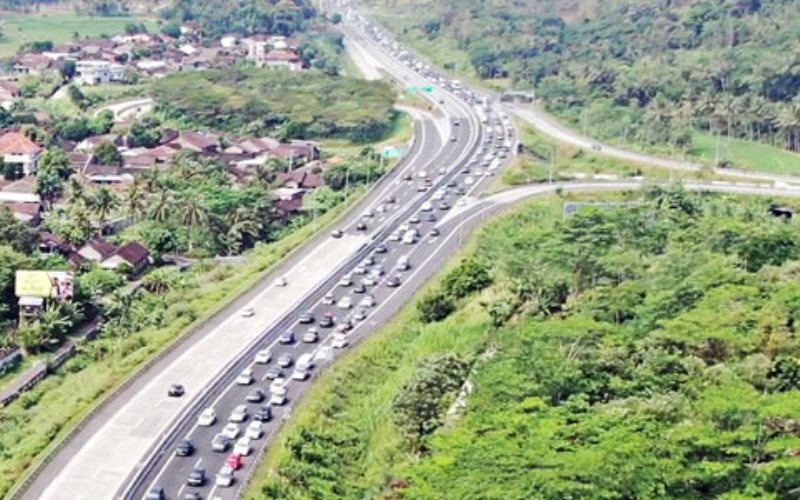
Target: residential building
x: 30, y: 213
x: 132, y: 254
x: 282, y: 59
x: 94, y: 72
x: 97, y: 250
x: 16, y: 148
x: 195, y: 141
x: 9, y: 93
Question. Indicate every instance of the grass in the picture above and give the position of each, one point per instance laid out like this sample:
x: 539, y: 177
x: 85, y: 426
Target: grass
x: 34, y: 426
x: 573, y: 163
x: 401, y: 132
x: 744, y: 154
x: 18, y: 29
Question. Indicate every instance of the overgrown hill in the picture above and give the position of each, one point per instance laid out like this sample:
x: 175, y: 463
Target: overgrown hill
x: 649, y: 71
x: 647, y: 350
x: 290, y: 105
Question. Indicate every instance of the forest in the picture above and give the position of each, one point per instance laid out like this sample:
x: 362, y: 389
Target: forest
x: 645, y: 71
x: 280, y: 104
x: 646, y: 349
x: 246, y: 17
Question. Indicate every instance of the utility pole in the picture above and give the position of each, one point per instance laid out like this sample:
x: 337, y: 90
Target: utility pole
x: 552, y: 161
x: 346, y: 182
x: 716, y: 153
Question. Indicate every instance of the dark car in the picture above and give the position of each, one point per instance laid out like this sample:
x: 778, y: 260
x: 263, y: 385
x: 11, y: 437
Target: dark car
x: 307, y: 318
x: 326, y: 321
x: 359, y: 288
x: 175, y: 391
x: 155, y: 493
x: 434, y: 232
x: 287, y: 338
x: 197, y: 477
x: 273, y: 373
x: 263, y: 414
x: 255, y: 396
x: 407, y: 176
x: 460, y: 190
x: 381, y: 248
x: 429, y: 216
x: 185, y: 448
x: 393, y: 281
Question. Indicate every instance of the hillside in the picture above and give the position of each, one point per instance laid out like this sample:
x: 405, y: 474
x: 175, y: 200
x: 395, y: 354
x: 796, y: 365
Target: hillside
x: 642, y: 351
x: 643, y: 71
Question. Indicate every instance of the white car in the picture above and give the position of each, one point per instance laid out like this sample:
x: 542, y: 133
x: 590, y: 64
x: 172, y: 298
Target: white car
x: 248, y: 312
x: 263, y: 357
x: 224, y: 477
x: 207, y: 418
x: 329, y: 299
x: 239, y: 414
x: 339, y: 341
x: 278, y: 397
x: 254, y: 430
x: 277, y: 384
x: 242, y: 446
x: 345, y: 302
x: 345, y: 281
x: 280, y: 281
x: 367, y: 301
x: 246, y: 377
x: 469, y: 180
x: 395, y: 236
x: 231, y: 431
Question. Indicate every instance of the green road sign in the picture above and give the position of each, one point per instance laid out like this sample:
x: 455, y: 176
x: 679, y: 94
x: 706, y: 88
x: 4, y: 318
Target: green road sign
x: 428, y: 89
x: 392, y: 152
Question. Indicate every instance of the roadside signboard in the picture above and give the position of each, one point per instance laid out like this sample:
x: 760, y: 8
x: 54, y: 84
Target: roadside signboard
x: 46, y: 284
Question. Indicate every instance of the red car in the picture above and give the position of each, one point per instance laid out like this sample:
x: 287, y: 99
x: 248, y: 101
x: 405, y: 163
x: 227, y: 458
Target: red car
x: 234, y: 461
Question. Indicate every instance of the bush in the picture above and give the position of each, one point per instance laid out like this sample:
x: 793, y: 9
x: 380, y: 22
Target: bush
x: 435, y: 306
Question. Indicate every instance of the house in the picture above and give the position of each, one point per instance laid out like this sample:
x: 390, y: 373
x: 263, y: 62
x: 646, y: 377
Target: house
x: 132, y: 254
x: 106, y: 174
x: 94, y: 72
x: 194, y: 63
x: 195, y: 141
x: 256, y: 145
x: 52, y: 244
x: 16, y: 148
x: 90, y: 143
x: 135, y: 163
x: 8, y: 94
x: 79, y: 161
x: 282, y: 59
x: 97, y: 250
x: 31, y: 64
x: 30, y: 213
x: 299, y: 179
x: 228, y: 41
x: 295, y: 154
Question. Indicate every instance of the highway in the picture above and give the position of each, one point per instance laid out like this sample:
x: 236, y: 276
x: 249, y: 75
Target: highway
x: 375, y: 266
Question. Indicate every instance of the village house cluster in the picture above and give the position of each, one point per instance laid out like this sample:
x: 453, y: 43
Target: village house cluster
x: 125, y: 58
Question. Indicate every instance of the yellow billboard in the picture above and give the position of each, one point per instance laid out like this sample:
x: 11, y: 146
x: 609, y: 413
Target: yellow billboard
x: 46, y: 284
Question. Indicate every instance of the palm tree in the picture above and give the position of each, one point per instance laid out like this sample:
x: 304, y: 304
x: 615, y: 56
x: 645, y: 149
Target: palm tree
x: 263, y: 176
x: 135, y: 199
x: 76, y: 188
x: 152, y: 180
x: 49, y: 186
x: 194, y: 215
x: 161, y: 280
x: 242, y: 225
x: 102, y: 203
x: 161, y: 206
x: 788, y: 120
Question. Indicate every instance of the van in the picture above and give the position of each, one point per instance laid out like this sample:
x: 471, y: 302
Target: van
x: 403, y: 263
x: 339, y: 340
x: 304, y: 365
x: 410, y: 237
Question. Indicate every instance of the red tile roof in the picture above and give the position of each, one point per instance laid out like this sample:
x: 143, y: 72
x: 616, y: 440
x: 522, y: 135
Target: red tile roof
x: 16, y: 143
x: 133, y: 252
x: 103, y: 247
x: 281, y: 55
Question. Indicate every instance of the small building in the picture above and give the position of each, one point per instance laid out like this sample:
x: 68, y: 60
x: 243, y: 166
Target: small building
x: 9, y: 93
x: 97, y: 250
x: 16, y: 148
x: 133, y: 254
x: 282, y: 59
x: 30, y: 213
x: 95, y: 72
x: 228, y: 41
x: 52, y: 244
x: 300, y: 179
x: 195, y: 141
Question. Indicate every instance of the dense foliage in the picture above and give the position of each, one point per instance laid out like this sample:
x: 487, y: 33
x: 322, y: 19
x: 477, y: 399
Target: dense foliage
x: 246, y: 17
x: 645, y: 351
x: 644, y: 70
x: 287, y: 105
